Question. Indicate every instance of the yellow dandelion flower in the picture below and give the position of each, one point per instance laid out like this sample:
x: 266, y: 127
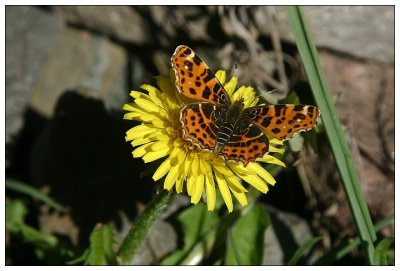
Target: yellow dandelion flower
x: 185, y: 166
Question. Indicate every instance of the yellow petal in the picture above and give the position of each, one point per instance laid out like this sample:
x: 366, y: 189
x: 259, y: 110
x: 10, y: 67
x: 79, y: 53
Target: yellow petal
x: 203, y: 166
x: 156, y: 96
x: 131, y: 116
x: 255, y: 181
x: 142, y: 150
x: 224, y: 190
x: 195, y: 165
x: 129, y: 107
x: 162, y: 169
x: 167, y: 87
x: 210, y: 190
x: 240, y: 196
x: 262, y: 173
x: 238, y: 168
x: 146, y: 104
x: 223, y: 169
x: 136, y: 94
x: 139, y: 131
x: 231, y: 85
x: 271, y: 160
x: 190, y: 186
x: 148, y: 88
x: 276, y: 141
x: 184, y: 172
x: 235, y: 184
x: 155, y: 155
x: 221, y: 76
x: 171, y: 177
x: 177, y: 155
x: 139, y: 141
x: 274, y: 149
x: 199, y: 187
x: 161, y: 145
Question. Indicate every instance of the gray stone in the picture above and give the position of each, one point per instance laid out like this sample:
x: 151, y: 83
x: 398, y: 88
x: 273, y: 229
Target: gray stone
x: 80, y: 60
x: 161, y: 240
x: 30, y: 36
x: 121, y: 22
x: 286, y: 233
x: 362, y: 31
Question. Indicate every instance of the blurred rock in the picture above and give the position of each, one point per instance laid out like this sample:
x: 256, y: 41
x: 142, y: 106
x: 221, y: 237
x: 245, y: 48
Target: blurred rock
x: 366, y: 107
x: 30, y: 36
x: 80, y: 59
x: 362, y: 31
x: 285, y: 235
x: 161, y: 240
x: 123, y: 23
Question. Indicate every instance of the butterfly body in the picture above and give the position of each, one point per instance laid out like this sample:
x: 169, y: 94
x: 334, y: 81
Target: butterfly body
x: 230, y: 123
x: 227, y: 128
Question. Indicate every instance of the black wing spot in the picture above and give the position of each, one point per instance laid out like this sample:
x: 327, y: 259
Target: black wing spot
x: 206, y: 93
x: 209, y: 76
x: 298, y: 107
x: 266, y: 122
x: 278, y: 109
x: 276, y: 130
x: 192, y: 91
x: 197, y: 59
x: 299, y: 116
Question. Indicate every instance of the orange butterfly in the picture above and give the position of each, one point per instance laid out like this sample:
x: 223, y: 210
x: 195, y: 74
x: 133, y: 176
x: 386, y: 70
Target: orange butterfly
x: 216, y: 123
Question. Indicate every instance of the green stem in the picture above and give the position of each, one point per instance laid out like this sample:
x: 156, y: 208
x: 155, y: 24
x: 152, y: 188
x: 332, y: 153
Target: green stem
x: 141, y: 226
x: 335, y: 134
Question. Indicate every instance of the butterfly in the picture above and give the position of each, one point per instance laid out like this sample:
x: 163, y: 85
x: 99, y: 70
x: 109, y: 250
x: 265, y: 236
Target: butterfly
x: 227, y: 128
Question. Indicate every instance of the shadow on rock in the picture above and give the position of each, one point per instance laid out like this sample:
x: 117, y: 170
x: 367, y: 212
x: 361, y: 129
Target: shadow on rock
x: 83, y: 159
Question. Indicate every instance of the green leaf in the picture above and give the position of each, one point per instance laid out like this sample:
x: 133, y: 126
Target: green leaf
x: 101, y: 246
x: 217, y: 253
x: 15, y: 215
x: 303, y: 249
x: 198, y: 228
x: 340, y: 149
x: 382, y: 251
x: 33, y: 192
x: 246, y: 245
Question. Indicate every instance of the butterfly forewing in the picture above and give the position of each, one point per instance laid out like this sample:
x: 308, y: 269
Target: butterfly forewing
x: 195, y: 79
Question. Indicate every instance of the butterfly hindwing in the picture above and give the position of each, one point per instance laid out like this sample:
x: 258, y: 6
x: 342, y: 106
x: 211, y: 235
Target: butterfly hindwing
x: 200, y: 124
x: 246, y: 145
x: 282, y: 121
